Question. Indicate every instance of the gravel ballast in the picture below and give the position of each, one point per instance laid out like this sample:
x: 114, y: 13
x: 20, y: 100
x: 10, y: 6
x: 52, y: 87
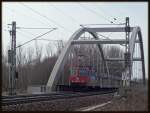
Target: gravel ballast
x: 71, y: 104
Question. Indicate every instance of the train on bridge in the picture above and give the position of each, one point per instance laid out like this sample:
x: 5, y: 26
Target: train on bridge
x: 86, y: 78
x: 82, y: 76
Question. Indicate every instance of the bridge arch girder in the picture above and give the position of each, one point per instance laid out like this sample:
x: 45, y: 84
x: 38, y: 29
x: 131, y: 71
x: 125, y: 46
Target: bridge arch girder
x: 137, y: 32
x: 55, y: 74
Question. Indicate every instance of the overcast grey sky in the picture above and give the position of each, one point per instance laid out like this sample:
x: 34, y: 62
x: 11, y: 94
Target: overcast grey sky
x: 67, y: 17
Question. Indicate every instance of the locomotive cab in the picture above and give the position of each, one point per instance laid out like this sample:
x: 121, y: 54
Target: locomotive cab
x: 82, y: 76
x: 79, y: 76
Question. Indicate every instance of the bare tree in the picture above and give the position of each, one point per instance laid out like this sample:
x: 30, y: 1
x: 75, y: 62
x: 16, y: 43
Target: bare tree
x: 49, y: 50
x: 30, y: 53
x: 59, y: 45
x: 5, y: 73
x: 19, y: 61
x: 38, y: 51
x: 19, y: 56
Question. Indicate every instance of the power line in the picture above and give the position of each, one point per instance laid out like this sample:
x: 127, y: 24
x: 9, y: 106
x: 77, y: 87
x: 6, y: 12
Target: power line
x: 100, y: 24
x: 85, y: 24
x: 27, y: 32
x: 24, y: 34
x: 35, y: 38
x: 113, y: 22
x: 103, y: 17
x: 52, y: 41
x: 48, y: 40
x: 33, y: 34
x: 20, y: 28
x: 108, y: 14
x: 32, y: 28
x: 94, y: 12
x: 26, y: 16
x: 49, y: 19
x: 65, y: 14
x: 114, y: 18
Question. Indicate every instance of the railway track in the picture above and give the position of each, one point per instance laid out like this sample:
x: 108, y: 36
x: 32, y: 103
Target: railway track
x: 21, y: 99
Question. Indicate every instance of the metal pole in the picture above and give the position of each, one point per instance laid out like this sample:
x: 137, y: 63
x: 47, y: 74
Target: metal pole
x: 14, y: 29
x: 127, y: 58
x: 12, y: 90
x: 127, y: 41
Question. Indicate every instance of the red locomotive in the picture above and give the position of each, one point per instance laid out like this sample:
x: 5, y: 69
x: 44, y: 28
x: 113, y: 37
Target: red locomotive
x: 82, y: 75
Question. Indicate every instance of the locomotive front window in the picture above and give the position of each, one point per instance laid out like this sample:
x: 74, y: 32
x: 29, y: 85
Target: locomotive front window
x: 83, y: 72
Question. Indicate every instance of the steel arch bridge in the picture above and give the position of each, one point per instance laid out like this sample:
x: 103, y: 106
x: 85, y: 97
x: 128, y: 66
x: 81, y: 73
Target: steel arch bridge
x: 135, y: 37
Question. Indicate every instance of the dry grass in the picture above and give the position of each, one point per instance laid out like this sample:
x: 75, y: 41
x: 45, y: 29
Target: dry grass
x: 137, y: 100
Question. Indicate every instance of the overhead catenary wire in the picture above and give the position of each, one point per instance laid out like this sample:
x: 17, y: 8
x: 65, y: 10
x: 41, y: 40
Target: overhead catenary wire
x: 114, y: 18
x: 101, y: 16
x: 83, y: 25
x: 48, y: 39
x: 25, y: 15
x: 32, y: 28
x: 94, y: 12
x: 105, y: 18
x: 27, y: 32
x: 47, y: 18
x: 110, y: 15
x: 65, y: 14
x: 106, y: 13
x: 24, y: 34
x: 21, y: 33
x: 35, y: 38
x: 101, y: 24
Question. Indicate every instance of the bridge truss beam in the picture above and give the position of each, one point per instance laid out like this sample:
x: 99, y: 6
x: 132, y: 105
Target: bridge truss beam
x: 108, y: 29
x: 113, y: 41
x: 119, y: 59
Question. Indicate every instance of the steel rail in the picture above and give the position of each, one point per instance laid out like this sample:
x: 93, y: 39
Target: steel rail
x: 47, y: 97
